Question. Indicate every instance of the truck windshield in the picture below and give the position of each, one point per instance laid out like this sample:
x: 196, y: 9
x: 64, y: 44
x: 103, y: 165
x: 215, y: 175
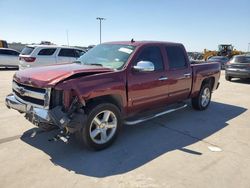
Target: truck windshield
x: 112, y: 56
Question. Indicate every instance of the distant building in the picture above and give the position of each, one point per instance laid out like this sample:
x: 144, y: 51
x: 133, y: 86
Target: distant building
x: 16, y: 46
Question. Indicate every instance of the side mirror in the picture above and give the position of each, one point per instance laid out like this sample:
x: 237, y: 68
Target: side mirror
x: 144, y: 66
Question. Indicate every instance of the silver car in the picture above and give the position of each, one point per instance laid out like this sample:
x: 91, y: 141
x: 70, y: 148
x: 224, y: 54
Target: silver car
x: 9, y: 57
x: 238, y: 67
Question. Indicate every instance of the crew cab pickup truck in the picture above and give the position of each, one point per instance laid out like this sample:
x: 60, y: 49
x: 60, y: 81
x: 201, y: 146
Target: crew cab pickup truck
x: 113, y: 84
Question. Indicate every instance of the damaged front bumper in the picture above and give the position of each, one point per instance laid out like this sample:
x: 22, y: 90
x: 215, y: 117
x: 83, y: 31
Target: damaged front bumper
x: 55, y: 116
x: 39, y: 113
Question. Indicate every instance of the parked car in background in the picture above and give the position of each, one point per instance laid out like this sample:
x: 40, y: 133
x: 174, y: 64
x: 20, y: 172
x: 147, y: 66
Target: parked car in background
x: 220, y: 59
x: 238, y: 67
x: 42, y: 55
x: 8, y: 57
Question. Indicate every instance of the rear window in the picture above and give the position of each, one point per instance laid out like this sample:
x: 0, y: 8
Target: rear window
x: 27, y: 50
x: 67, y: 52
x: 241, y: 59
x: 176, y: 57
x: 47, y: 51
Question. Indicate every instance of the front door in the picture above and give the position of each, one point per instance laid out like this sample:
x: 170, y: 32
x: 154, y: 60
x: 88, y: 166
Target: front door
x: 147, y: 89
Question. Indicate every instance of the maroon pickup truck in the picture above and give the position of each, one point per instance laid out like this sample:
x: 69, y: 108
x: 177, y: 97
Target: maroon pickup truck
x: 113, y: 84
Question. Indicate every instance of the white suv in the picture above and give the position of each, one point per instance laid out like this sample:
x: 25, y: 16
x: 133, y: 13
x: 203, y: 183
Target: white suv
x: 42, y: 55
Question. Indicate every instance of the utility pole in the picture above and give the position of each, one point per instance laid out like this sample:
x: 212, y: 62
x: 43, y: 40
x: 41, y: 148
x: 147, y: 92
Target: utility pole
x: 100, y: 19
x: 67, y: 35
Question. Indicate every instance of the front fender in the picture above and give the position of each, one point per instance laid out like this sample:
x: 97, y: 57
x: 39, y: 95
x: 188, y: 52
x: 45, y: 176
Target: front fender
x: 93, y: 86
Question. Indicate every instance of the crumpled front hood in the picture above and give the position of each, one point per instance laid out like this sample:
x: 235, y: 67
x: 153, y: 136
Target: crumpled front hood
x: 50, y: 75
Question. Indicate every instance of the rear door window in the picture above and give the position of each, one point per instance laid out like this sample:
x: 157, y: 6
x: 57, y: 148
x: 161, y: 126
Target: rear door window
x: 4, y: 52
x: 8, y: 52
x: 176, y: 57
x: 64, y: 52
x: 47, y: 51
x: 27, y: 50
x: 13, y: 53
x: 152, y: 54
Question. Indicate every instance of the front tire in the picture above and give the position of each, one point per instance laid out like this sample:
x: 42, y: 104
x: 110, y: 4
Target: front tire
x: 202, y: 101
x: 102, y: 126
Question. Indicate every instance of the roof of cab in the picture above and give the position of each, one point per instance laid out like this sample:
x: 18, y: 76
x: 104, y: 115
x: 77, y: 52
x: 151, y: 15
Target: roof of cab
x: 139, y: 43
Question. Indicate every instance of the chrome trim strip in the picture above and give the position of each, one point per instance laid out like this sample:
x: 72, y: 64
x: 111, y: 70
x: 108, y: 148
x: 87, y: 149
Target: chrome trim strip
x: 47, y: 98
x: 163, y: 78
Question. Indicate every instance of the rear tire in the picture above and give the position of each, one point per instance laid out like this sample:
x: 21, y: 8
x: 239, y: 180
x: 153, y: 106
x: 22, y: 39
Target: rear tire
x: 202, y: 101
x: 102, y: 126
x: 228, y: 78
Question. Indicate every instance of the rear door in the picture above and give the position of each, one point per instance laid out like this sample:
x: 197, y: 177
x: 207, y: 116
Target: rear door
x: 46, y: 56
x: 179, y: 73
x: 147, y: 89
x: 66, y: 55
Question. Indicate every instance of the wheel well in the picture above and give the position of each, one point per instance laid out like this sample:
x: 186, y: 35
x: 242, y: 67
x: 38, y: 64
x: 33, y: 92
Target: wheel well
x: 209, y: 81
x: 113, y: 99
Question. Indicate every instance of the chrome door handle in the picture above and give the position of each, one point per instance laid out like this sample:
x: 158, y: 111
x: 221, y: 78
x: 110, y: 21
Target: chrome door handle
x: 188, y: 75
x: 163, y: 78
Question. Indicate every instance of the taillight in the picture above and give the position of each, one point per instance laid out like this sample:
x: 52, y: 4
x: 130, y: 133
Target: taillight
x: 29, y: 59
x: 228, y: 63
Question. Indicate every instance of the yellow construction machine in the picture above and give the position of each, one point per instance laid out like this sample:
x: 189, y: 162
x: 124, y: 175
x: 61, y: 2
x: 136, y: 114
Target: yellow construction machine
x: 223, y: 50
x: 3, y: 44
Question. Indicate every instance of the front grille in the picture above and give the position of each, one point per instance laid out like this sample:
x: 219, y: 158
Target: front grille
x: 38, y: 97
x: 29, y: 99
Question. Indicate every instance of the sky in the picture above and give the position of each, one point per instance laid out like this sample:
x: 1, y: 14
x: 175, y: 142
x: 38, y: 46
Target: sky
x: 198, y: 24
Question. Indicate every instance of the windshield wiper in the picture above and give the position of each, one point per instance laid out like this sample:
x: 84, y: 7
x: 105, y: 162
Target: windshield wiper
x: 79, y: 62
x: 97, y: 64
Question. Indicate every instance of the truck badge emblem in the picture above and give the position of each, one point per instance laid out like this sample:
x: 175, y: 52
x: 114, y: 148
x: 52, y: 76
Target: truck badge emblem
x: 21, y: 91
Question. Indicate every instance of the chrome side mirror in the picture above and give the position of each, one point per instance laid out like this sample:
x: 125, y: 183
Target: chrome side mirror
x: 144, y: 66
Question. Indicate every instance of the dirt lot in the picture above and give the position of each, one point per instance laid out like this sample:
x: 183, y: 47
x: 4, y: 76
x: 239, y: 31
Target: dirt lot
x: 170, y: 151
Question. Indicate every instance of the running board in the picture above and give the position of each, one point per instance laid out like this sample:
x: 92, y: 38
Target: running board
x: 154, y: 116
